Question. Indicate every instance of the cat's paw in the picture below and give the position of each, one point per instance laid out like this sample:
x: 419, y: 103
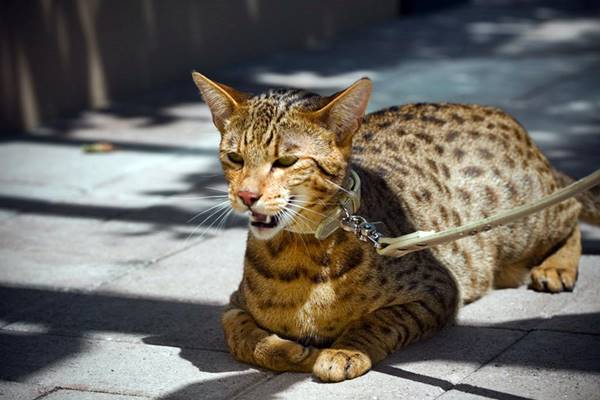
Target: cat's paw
x: 284, y: 355
x: 551, y: 279
x: 335, y: 365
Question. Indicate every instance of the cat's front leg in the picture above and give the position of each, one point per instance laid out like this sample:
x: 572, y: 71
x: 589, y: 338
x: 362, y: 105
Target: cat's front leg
x: 250, y: 343
x: 371, y: 338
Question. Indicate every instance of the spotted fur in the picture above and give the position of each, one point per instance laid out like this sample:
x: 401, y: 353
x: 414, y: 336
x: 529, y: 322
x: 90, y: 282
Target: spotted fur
x: 333, y: 306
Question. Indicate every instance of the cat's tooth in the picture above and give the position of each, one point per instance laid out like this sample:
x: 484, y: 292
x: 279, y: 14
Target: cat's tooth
x: 268, y: 220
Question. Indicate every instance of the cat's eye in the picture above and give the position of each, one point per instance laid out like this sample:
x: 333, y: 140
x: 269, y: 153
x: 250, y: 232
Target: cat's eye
x: 285, y: 161
x: 235, y: 158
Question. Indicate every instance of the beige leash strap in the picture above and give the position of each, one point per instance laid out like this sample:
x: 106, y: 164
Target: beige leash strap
x: 420, y: 240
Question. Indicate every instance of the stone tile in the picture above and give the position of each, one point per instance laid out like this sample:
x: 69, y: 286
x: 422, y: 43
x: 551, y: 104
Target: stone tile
x: 57, y: 200
x: 582, y: 314
x: 67, y: 165
x: 373, y: 385
x: 450, y: 356
x: 6, y: 214
x: 460, y: 395
x: 177, y: 301
x: 21, y: 391
x: 186, y: 124
x: 513, y: 308
x: 180, y: 180
x: 125, y: 368
x: 526, y: 309
x: 64, y: 394
x: 544, y: 365
x: 40, y: 268
x: 40, y: 255
x: 461, y: 80
x: 207, y: 272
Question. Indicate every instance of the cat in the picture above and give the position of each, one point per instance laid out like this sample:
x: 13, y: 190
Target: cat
x: 334, y: 307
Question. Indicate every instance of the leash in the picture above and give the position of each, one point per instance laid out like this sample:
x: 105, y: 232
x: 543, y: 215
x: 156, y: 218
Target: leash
x: 344, y: 218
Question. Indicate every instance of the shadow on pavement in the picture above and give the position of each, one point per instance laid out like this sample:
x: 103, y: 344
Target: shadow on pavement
x: 192, y: 327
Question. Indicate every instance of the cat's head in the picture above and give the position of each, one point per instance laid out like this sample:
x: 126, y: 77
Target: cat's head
x: 285, y: 153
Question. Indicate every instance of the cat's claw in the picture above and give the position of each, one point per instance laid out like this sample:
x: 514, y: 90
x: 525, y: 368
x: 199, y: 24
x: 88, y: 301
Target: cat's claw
x: 335, y: 365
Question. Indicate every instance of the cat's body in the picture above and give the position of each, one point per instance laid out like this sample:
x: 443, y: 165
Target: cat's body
x: 334, y: 306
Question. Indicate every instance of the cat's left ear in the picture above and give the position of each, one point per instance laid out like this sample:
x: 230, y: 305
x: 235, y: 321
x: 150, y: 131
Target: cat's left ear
x: 222, y: 100
x: 345, y: 110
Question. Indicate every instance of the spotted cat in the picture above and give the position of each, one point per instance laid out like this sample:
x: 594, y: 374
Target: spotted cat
x: 334, y: 307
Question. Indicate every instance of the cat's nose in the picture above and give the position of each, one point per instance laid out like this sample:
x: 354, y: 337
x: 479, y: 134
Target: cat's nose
x: 248, y: 197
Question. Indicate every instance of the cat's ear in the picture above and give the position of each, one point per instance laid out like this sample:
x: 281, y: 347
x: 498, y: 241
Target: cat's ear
x: 222, y: 100
x: 345, y: 110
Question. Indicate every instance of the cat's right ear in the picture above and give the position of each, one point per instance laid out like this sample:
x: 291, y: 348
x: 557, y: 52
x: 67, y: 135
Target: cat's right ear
x: 222, y: 100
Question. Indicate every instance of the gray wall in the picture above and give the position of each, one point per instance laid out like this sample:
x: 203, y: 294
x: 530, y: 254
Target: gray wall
x: 60, y: 56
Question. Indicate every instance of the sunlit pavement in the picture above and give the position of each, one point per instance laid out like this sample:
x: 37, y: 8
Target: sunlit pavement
x: 111, y: 282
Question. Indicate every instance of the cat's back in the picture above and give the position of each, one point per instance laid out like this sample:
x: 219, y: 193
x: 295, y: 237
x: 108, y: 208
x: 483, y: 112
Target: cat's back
x: 449, y: 164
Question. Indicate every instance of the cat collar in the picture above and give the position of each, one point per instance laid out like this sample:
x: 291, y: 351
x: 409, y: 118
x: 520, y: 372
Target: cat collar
x: 349, y: 203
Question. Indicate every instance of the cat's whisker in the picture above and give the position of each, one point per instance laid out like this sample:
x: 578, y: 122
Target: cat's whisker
x: 219, y: 196
x: 340, y: 187
x: 219, y: 212
x: 306, y: 208
x: 216, y: 189
x: 218, y: 205
x: 224, y: 220
x: 199, y: 226
x: 297, y: 214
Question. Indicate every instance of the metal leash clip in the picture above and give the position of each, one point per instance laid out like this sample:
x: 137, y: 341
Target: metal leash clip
x: 364, y: 230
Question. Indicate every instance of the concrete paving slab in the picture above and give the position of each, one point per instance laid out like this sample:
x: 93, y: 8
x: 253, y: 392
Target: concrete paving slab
x: 6, y: 214
x: 63, y: 394
x: 513, y: 308
x: 43, y: 164
x: 206, y: 272
x: 21, y: 391
x: 176, y: 302
x: 142, y: 235
x: 177, y: 122
x: 180, y: 179
x: 120, y: 368
x: 375, y: 386
x: 44, y: 269
x: 545, y: 365
x: 523, y: 308
x: 460, y: 395
x: 450, y: 356
x: 121, y: 318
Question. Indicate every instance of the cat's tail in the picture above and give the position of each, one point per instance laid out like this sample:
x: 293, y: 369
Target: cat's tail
x: 590, y: 199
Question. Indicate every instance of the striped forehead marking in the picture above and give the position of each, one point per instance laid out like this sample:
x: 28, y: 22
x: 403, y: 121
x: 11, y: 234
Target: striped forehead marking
x: 268, y: 109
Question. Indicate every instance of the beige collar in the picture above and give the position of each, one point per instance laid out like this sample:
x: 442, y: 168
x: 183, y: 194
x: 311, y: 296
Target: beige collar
x: 349, y: 200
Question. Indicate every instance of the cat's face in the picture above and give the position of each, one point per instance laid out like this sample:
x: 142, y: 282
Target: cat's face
x: 284, y: 153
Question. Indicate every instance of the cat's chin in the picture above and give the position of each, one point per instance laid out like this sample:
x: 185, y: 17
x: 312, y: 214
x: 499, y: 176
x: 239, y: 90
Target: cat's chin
x: 262, y: 233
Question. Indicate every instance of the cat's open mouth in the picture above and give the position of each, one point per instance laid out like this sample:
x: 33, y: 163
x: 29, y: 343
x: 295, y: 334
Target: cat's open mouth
x: 263, y: 220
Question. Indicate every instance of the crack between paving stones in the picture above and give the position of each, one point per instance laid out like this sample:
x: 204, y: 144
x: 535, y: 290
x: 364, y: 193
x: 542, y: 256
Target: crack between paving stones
x: 253, y: 386
x: 78, y: 389
x: 41, y: 396
x: 565, y: 331
x: 463, y: 387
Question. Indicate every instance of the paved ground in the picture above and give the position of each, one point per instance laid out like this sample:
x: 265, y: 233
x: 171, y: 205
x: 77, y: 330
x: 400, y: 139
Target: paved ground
x: 109, y: 292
